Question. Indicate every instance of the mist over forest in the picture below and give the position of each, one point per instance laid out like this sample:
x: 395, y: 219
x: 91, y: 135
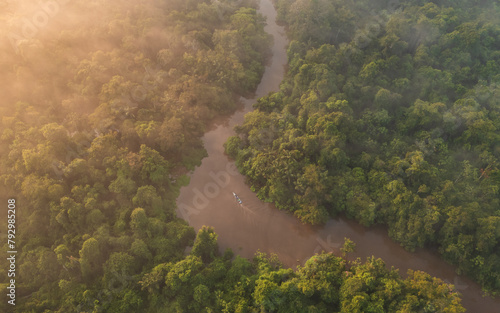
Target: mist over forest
x: 388, y: 114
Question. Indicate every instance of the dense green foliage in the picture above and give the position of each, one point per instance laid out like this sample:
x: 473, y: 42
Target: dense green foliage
x: 326, y: 283
x: 389, y: 114
x: 101, y: 116
x: 99, y: 121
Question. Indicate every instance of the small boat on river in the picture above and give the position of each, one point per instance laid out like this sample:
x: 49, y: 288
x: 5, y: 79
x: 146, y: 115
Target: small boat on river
x: 237, y: 198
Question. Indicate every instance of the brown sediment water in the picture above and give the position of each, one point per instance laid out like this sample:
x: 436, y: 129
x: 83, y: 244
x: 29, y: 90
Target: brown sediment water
x: 258, y: 226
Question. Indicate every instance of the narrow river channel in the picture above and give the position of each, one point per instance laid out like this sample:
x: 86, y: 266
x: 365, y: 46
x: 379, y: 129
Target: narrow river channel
x: 255, y: 225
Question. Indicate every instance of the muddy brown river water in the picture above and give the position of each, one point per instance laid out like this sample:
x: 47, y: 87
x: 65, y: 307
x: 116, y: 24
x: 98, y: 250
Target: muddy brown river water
x: 255, y: 225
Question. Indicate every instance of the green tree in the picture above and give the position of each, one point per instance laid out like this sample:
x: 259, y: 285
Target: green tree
x: 139, y: 222
x: 90, y: 258
x: 205, y: 245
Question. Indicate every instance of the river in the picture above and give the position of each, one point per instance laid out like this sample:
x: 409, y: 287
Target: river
x: 255, y: 225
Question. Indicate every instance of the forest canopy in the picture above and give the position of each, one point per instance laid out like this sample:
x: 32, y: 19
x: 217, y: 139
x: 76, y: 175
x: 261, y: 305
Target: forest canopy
x: 103, y: 107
